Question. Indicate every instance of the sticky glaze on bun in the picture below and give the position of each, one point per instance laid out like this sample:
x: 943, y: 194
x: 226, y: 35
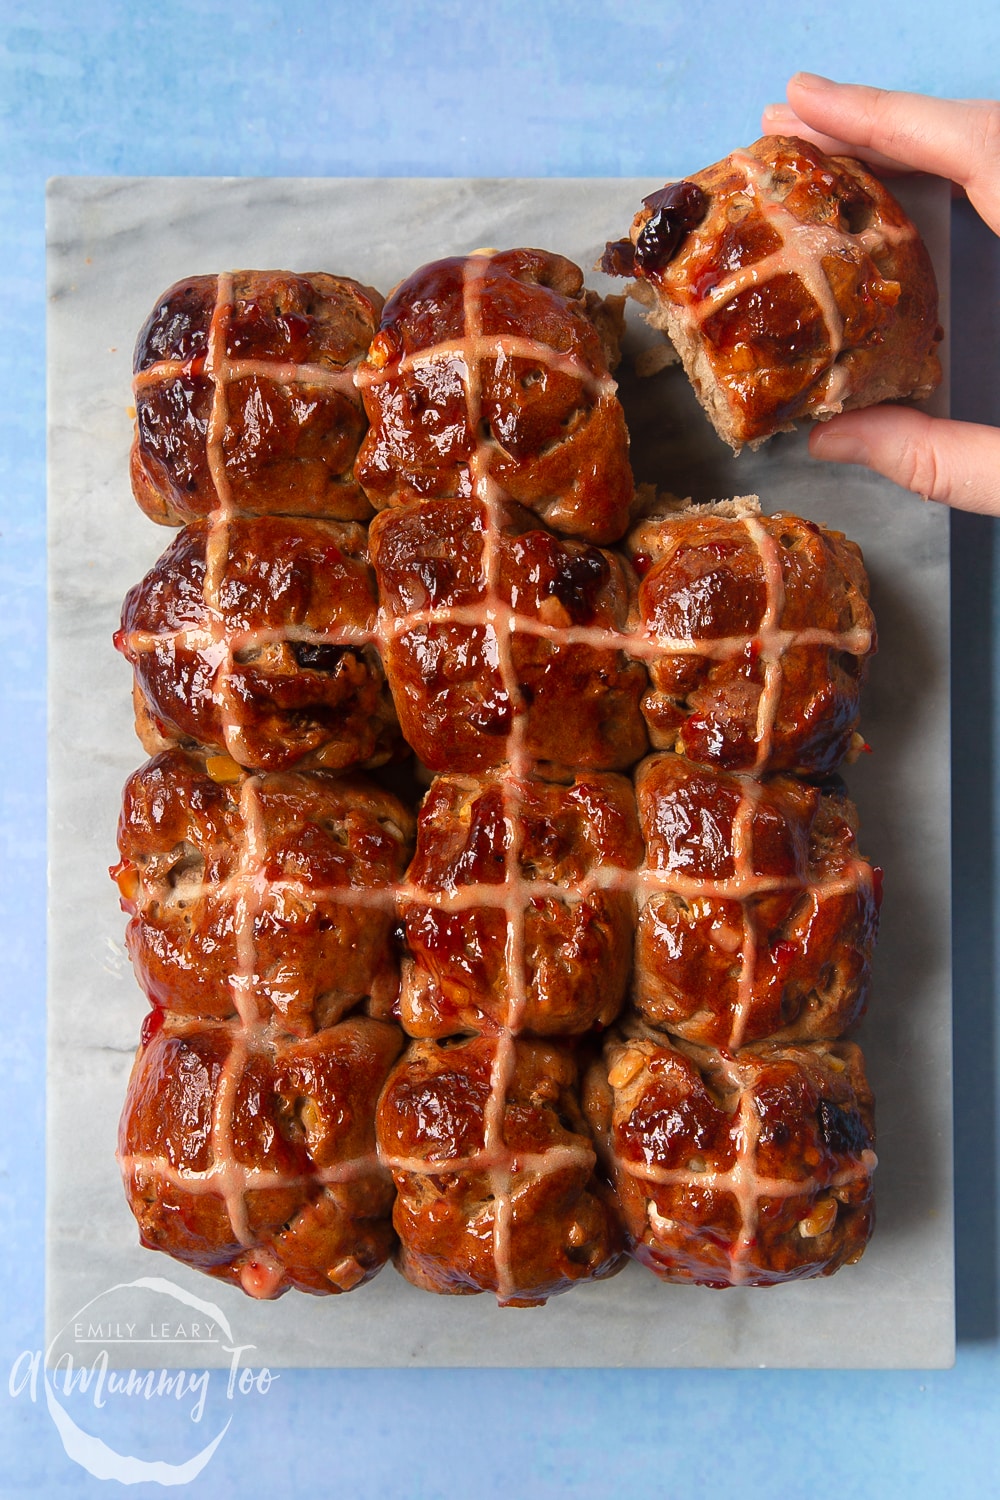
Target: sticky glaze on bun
x: 756, y: 631
x: 502, y: 639
x: 757, y: 914
x: 518, y: 909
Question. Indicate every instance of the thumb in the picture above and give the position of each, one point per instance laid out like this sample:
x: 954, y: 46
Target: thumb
x: 957, y: 463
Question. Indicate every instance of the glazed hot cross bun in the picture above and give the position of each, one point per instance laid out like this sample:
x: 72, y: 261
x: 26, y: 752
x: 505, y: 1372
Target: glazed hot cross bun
x: 495, y: 367
x: 757, y: 914
x: 254, y: 1160
x: 518, y: 909
x: 255, y: 636
x: 268, y: 896
x: 790, y: 283
x: 245, y: 397
x: 498, y: 632
x: 494, y: 1168
x: 737, y: 1169
x: 757, y: 635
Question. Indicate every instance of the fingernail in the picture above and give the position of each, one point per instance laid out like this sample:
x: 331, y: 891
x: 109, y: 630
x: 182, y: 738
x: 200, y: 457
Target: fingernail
x: 838, y: 447
x: 812, y: 81
x: 779, y: 112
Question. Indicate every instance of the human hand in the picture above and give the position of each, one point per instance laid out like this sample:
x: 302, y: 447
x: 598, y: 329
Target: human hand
x: 957, y: 463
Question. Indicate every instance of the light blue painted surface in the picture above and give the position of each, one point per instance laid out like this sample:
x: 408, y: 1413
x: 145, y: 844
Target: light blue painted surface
x: 506, y: 88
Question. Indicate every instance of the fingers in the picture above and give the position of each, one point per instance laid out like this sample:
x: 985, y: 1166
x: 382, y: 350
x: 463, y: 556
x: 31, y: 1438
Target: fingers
x: 951, y: 138
x: 957, y: 463
x: 781, y: 119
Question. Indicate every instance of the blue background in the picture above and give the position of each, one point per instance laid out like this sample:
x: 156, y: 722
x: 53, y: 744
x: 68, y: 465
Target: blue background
x: 506, y: 88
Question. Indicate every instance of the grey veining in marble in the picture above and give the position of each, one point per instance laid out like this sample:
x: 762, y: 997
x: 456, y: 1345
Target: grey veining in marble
x: 115, y: 244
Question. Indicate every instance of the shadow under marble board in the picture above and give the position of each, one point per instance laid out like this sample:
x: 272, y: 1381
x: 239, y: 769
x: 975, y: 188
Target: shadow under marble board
x: 114, y: 246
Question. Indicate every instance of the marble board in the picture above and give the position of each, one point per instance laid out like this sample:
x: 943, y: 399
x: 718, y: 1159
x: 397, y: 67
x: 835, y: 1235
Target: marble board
x: 114, y: 245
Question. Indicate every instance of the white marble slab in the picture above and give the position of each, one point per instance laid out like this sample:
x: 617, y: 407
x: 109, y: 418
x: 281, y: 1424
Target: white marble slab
x: 115, y: 244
